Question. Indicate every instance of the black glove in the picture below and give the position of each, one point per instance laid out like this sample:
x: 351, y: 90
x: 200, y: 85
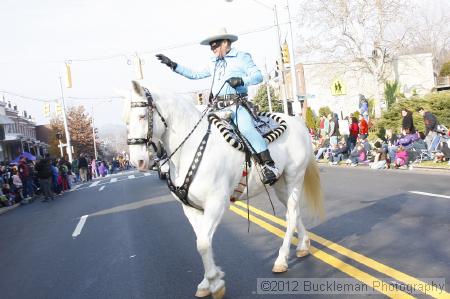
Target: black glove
x: 235, y: 82
x: 166, y: 60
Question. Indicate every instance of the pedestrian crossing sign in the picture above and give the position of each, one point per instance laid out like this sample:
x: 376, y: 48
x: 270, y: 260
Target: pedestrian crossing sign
x: 338, y: 88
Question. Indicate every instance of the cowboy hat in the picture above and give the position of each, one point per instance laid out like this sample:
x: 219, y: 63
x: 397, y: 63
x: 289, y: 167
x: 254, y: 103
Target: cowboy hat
x: 220, y: 33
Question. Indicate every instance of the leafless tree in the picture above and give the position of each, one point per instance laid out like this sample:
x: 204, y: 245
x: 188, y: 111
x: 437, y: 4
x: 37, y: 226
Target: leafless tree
x: 366, y: 34
x: 431, y: 32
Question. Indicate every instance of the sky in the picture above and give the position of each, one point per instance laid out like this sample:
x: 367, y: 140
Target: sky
x: 101, y: 38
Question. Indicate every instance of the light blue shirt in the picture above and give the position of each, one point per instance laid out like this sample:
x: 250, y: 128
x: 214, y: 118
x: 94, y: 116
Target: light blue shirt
x: 234, y: 64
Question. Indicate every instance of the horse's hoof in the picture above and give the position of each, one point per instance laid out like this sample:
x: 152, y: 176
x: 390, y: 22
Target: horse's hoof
x: 302, y: 253
x: 279, y: 269
x: 202, y: 293
x: 219, y: 293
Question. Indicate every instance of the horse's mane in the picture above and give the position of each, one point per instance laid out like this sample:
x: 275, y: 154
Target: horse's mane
x: 177, y: 106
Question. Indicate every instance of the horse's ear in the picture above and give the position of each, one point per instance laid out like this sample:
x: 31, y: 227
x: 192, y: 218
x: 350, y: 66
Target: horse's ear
x: 137, y: 88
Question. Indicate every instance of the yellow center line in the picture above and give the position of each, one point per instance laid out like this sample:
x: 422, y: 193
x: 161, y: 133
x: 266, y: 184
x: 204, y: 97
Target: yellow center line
x: 389, y: 271
x: 352, y: 271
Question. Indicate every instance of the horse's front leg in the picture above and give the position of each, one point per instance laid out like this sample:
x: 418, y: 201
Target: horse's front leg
x: 195, y: 218
x: 281, y: 263
x: 213, y: 213
x: 204, y: 227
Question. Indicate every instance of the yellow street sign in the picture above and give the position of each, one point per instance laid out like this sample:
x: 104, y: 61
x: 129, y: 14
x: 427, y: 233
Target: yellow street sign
x: 338, y: 88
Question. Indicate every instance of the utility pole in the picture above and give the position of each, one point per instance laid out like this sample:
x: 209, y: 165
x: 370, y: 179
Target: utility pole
x: 280, y: 57
x: 268, y: 88
x: 93, y: 134
x: 66, y: 128
x: 294, y: 82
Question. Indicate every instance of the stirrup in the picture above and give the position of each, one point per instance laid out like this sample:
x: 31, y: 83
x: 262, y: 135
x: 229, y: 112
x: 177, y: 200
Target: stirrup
x: 270, y: 174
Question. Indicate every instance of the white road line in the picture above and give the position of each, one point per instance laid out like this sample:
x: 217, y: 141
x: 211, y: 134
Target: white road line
x: 147, y: 174
x: 94, y: 184
x: 430, y: 194
x: 80, y: 225
x: 113, y: 180
x: 75, y: 187
x: 131, y: 176
x: 101, y: 188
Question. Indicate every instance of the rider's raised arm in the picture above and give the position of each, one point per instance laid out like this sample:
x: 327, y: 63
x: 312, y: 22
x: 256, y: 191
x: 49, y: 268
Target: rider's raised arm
x: 192, y: 74
x: 253, y: 75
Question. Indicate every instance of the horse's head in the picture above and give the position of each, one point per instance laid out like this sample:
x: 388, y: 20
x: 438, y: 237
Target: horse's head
x: 145, y: 127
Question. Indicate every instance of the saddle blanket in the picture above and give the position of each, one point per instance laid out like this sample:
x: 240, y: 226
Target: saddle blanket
x: 270, y: 126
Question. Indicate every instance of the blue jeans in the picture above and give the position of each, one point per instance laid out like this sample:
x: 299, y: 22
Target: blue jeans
x: 355, y: 159
x: 320, y: 152
x: 392, y: 151
x: 337, y: 158
x: 27, y: 187
x: 244, y: 121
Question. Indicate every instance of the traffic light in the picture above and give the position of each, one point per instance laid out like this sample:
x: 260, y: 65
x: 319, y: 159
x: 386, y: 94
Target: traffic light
x: 277, y: 70
x: 200, y: 99
x: 47, y: 109
x: 58, y: 109
x: 285, y: 53
x: 68, y: 76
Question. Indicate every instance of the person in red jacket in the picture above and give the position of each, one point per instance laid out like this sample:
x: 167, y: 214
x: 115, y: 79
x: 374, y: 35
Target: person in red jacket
x: 354, y: 130
x: 363, y: 128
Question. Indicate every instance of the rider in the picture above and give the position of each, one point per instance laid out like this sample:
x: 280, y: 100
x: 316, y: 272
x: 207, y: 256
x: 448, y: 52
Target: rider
x: 232, y: 72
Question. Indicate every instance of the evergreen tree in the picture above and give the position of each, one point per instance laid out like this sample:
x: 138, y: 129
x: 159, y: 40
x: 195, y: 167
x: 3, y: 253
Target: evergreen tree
x: 262, y: 100
x: 436, y: 103
x: 324, y: 111
x: 310, y: 119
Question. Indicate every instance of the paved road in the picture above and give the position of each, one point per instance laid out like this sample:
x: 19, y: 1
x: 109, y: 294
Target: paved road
x: 136, y: 243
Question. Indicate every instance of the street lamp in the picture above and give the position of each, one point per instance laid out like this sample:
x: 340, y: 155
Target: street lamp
x: 293, y: 71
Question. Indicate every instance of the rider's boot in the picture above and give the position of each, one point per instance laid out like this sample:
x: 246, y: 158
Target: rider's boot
x: 269, y: 171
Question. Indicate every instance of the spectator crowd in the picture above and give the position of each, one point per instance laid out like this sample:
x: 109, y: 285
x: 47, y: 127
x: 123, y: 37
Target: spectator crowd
x: 27, y: 180
x: 346, y: 141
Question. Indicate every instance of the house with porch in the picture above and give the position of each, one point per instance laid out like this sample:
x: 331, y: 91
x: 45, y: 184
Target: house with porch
x: 18, y: 134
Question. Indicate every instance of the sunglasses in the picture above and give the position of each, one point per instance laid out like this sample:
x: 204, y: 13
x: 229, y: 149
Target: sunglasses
x: 215, y: 44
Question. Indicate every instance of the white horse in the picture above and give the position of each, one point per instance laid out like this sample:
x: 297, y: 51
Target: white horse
x: 220, y: 171
x: 136, y: 119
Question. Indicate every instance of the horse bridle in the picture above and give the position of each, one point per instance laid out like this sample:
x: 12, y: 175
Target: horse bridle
x: 151, y: 109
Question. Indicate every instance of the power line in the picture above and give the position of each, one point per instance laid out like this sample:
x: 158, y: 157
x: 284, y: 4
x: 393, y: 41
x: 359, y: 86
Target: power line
x: 53, y: 99
x: 95, y: 98
x: 25, y: 97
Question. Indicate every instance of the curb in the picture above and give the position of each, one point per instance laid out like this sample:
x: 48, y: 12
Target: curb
x: 418, y: 168
x: 4, y: 210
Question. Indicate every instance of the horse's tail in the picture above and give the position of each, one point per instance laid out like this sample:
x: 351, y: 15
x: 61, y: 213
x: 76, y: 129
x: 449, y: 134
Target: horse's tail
x: 312, y: 188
